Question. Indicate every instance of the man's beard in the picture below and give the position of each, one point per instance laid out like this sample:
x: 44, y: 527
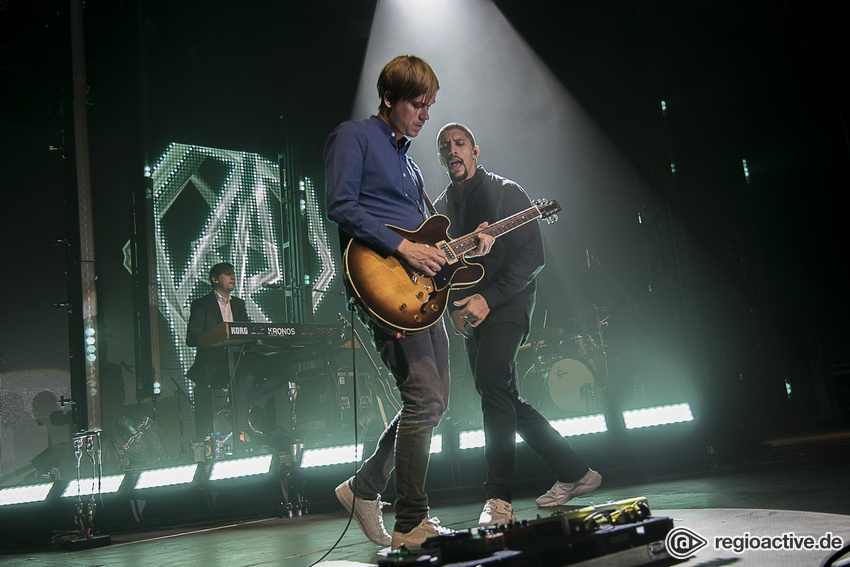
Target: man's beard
x: 460, y: 175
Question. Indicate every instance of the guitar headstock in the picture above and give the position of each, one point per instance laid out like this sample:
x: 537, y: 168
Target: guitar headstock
x: 548, y: 208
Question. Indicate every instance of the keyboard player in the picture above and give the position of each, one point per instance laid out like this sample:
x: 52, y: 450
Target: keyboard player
x: 211, y: 368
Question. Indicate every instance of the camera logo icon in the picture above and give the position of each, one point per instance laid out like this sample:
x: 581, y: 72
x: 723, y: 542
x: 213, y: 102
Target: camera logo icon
x: 681, y: 543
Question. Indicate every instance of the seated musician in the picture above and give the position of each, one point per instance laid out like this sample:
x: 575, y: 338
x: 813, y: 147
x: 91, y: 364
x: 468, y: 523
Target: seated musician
x: 211, y: 368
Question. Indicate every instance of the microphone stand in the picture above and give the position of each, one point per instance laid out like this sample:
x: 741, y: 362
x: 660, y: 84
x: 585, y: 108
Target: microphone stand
x: 180, y: 427
x: 591, y: 257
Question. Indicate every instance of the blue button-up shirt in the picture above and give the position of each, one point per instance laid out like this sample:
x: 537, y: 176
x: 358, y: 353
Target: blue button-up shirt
x: 371, y: 182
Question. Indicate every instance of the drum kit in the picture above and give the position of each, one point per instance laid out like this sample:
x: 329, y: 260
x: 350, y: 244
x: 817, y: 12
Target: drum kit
x: 566, y: 373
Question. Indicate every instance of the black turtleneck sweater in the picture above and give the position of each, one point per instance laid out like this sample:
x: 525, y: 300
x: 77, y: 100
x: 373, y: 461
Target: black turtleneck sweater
x: 516, y: 258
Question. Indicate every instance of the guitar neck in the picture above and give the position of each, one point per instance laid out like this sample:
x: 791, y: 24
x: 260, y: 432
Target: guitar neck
x: 469, y: 242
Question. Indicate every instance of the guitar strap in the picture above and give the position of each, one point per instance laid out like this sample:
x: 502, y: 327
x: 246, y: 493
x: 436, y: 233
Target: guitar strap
x: 431, y: 209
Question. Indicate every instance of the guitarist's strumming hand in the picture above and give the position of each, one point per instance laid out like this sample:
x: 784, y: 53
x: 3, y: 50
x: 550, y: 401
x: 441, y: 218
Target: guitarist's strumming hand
x: 474, y: 311
x: 422, y: 257
x: 485, y: 242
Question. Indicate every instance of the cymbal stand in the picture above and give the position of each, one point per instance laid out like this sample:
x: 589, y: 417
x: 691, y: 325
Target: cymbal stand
x: 592, y: 258
x: 602, y: 394
x: 600, y: 323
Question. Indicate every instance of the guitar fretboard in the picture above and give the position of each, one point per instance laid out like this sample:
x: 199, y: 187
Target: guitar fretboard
x: 464, y: 244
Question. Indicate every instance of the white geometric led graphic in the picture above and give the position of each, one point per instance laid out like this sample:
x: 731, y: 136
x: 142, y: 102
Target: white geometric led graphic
x: 318, y: 235
x: 214, y: 205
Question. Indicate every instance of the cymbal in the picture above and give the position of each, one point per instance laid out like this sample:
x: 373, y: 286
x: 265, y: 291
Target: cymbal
x: 545, y: 334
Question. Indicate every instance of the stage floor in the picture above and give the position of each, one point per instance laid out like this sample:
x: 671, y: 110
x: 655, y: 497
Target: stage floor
x: 797, y: 489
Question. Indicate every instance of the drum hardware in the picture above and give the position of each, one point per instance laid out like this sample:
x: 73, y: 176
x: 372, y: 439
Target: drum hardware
x: 568, y: 373
x: 544, y: 335
x: 542, y: 341
x: 583, y: 347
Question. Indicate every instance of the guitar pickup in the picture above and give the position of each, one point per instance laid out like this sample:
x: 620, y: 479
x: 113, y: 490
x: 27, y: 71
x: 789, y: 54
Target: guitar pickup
x: 451, y: 256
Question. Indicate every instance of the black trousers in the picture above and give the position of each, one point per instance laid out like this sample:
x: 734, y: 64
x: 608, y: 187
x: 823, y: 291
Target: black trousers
x: 420, y: 365
x: 255, y: 381
x: 492, y: 355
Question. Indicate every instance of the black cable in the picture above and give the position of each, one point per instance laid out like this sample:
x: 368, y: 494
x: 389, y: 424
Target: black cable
x: 356, y: 440
x: 835, y: 557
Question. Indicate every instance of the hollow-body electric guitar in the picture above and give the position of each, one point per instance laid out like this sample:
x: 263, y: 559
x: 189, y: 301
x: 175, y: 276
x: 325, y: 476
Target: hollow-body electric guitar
x: 400, y: 298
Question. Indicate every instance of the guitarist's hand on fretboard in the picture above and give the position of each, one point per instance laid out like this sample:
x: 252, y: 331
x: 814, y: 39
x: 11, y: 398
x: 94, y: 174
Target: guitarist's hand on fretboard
x: 485, y: 242
x: 426, y: 259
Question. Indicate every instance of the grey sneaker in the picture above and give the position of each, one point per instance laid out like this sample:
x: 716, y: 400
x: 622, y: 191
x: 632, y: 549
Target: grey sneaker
x: 413, y: 540
x: 496, y: 512
x: 563, y: 492
x: 367, y: 514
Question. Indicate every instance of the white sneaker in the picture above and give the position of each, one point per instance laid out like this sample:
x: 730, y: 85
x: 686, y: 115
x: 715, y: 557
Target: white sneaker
x: 496, y: 512
x: 563, y: 492
x: 367, y: 514
x: 413, y: 540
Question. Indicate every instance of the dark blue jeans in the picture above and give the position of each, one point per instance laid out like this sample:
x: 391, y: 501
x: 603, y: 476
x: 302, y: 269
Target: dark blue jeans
x: 420, y: 365
x: 492, y: 357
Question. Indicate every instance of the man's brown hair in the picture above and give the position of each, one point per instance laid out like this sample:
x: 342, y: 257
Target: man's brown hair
x: 406, y: 77
x: 220, y: 268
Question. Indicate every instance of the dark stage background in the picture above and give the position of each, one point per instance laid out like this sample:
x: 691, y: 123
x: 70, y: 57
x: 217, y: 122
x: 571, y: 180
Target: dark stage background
x: 713, y: 288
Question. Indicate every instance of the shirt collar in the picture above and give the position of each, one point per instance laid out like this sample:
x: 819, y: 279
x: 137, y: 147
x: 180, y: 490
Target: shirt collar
x: 398, y: 145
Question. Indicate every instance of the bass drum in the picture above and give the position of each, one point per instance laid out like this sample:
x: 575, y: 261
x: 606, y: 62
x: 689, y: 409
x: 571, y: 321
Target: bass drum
x: 570, y: 384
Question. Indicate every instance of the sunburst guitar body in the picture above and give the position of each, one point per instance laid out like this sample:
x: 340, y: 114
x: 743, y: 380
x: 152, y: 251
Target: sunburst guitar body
x: 399, y: 298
